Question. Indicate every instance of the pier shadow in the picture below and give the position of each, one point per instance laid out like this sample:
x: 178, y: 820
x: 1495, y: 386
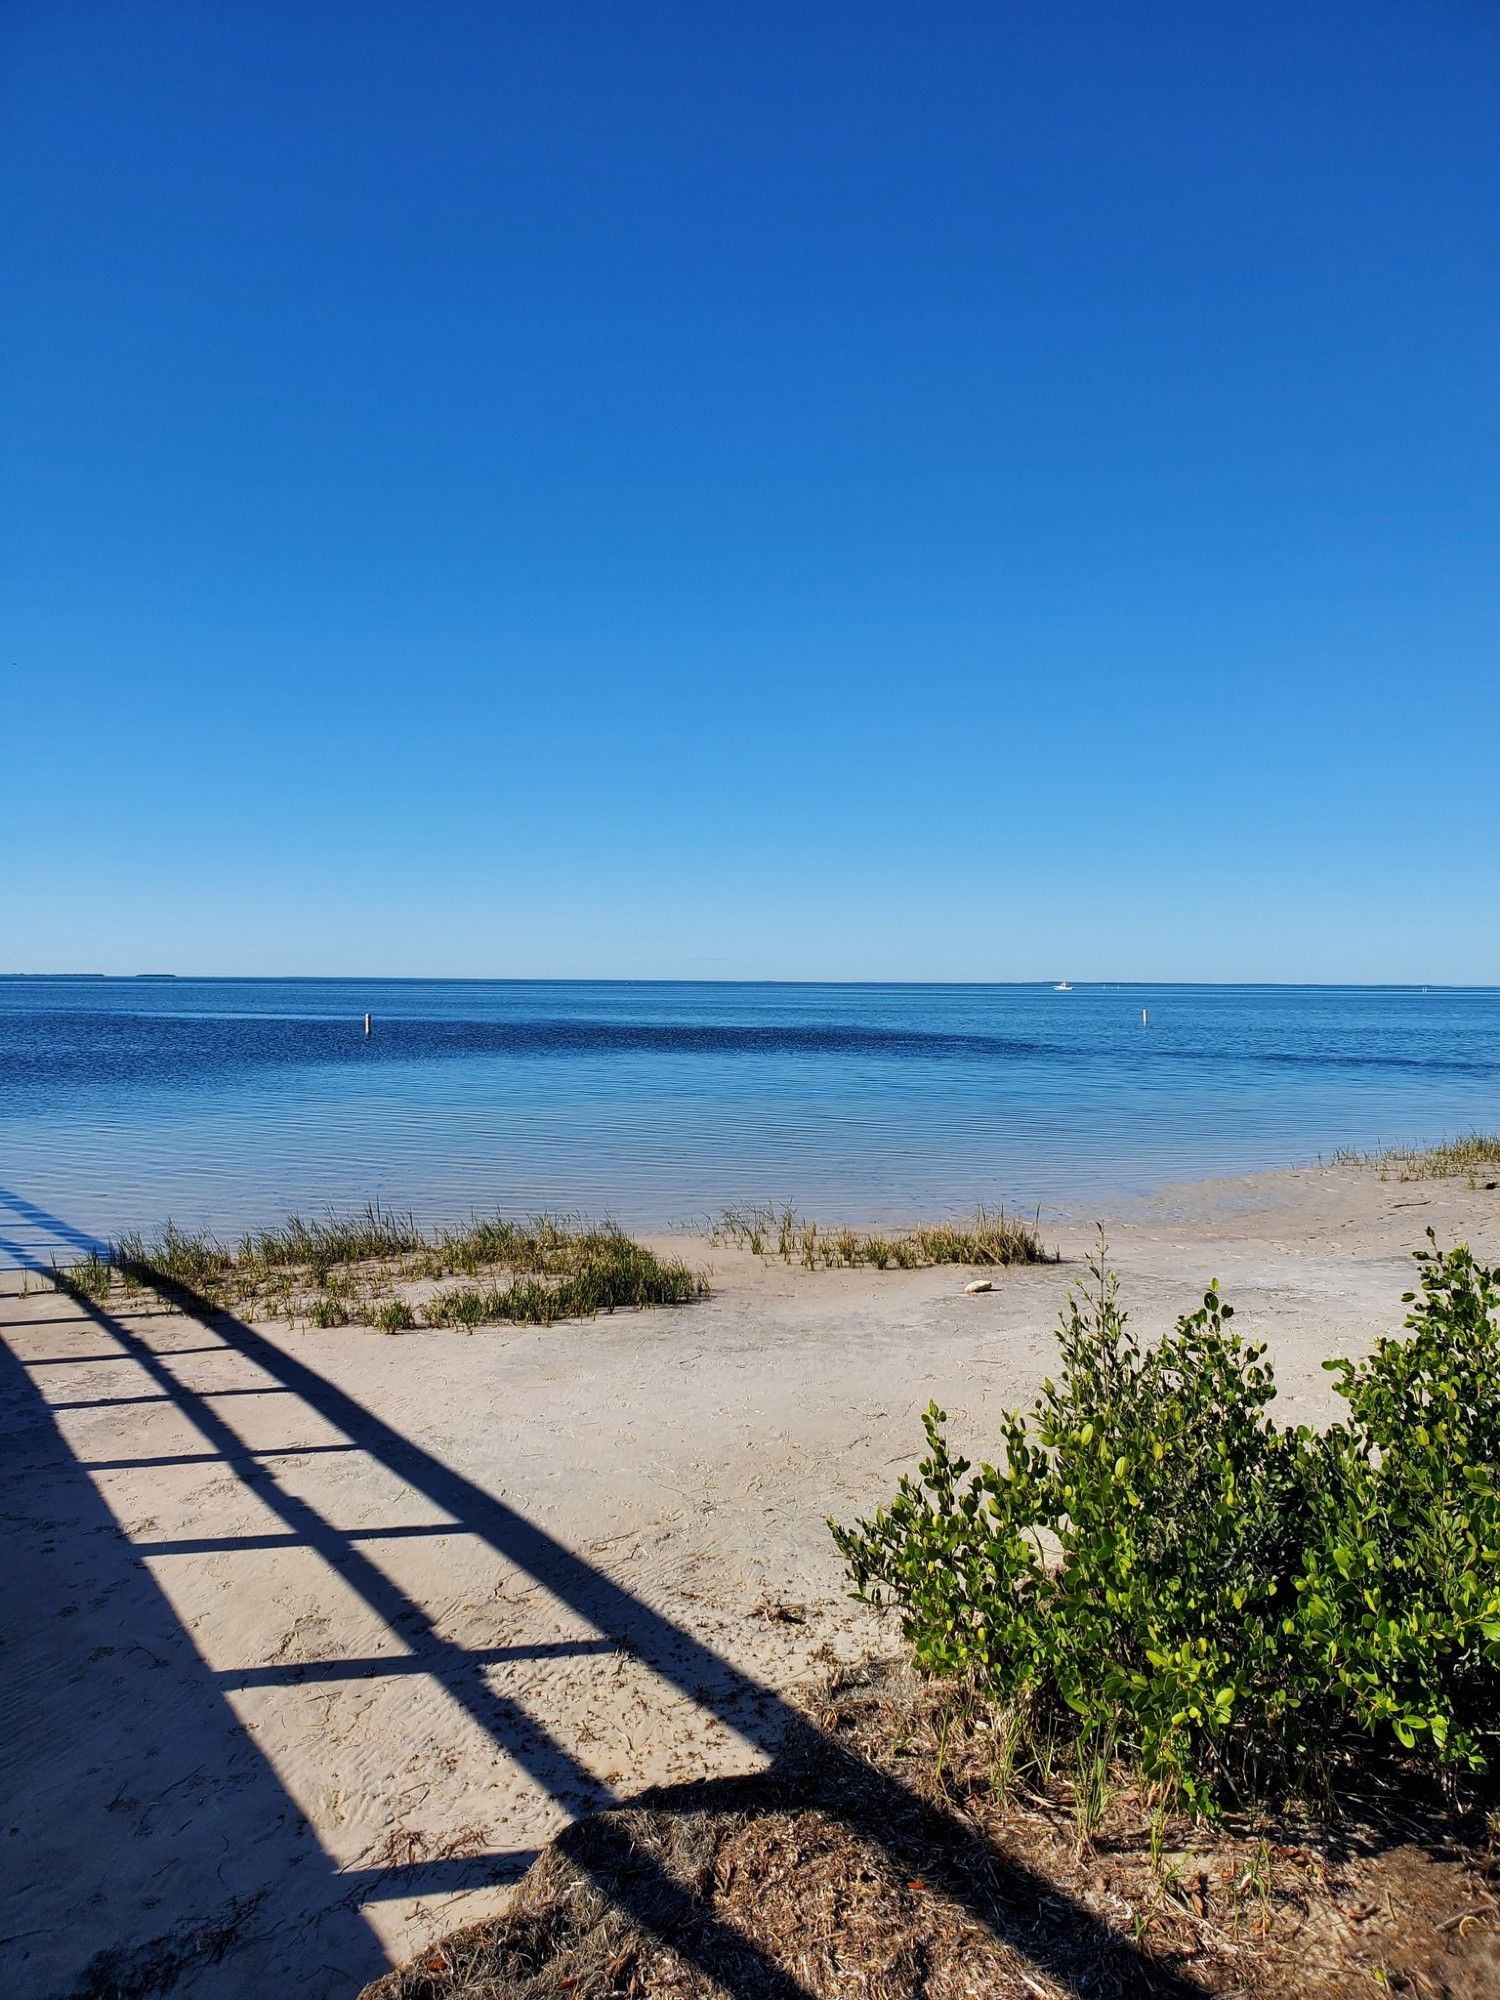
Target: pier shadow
x: 1057, y: 1935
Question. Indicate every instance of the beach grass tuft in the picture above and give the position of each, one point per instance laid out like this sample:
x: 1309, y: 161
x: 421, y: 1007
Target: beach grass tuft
x: 320, y: 1247
x: 609, y: 1272
x: 1472, y: 1155
x: 357, y: 1270
x: 990, y: 1237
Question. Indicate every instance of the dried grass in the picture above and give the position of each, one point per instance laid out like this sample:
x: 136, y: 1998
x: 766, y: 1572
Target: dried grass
x: 762, y: 1889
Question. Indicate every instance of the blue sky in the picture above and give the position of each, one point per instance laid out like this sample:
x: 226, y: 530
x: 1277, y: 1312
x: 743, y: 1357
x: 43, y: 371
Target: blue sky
x: 814, y: 491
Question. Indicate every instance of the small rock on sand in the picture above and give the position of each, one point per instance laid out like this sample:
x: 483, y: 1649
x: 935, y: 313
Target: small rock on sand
x: 979, y: 1285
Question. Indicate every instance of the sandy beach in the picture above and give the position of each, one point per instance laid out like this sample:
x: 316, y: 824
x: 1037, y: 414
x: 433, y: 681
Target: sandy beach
x: 313, y: 1638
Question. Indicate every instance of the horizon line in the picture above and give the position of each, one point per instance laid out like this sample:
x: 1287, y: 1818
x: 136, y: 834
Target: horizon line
x: 1044, y: 982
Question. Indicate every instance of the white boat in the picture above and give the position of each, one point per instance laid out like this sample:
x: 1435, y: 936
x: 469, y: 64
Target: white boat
x: 1062, y: 986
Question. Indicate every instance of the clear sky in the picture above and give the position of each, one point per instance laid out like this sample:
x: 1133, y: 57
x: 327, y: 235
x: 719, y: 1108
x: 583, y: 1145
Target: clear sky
x: 928, y: 490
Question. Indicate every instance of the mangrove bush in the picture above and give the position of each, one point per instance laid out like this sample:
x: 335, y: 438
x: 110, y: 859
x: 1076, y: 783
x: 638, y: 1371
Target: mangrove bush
x: 1158, y: 1572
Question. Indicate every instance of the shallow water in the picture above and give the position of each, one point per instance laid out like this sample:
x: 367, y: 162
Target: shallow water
x: 231, y: 1102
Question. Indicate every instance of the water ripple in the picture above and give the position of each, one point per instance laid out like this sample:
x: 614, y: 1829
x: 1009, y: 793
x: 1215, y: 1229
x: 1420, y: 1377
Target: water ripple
x: 231, y: 1101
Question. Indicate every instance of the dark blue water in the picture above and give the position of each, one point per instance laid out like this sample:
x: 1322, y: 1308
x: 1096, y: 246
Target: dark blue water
x: 230, y: 1102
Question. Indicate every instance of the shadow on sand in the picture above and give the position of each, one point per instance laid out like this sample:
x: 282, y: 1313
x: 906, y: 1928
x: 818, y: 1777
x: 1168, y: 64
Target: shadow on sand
x: 1059, y: 1937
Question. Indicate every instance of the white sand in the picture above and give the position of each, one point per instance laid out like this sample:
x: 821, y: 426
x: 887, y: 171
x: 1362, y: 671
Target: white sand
x: 250, y: 1718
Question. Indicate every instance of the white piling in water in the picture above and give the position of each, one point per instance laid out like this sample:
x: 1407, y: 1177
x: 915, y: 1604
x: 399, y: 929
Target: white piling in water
x: 1143, y: 1020
x: 367, y: 1024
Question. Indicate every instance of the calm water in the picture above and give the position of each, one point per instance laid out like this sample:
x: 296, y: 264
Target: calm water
x: 230, y: 1102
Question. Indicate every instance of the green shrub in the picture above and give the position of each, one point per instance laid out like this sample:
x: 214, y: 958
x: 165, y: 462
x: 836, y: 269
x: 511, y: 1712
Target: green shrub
x: 1400, y: 1590
x: 1161, y: 1573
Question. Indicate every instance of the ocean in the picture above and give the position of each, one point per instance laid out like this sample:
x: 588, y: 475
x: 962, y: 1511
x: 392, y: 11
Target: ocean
x: 230, y: 1103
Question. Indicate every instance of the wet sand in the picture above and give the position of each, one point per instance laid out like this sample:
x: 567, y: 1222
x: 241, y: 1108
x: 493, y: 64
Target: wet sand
x: 313, y: 1637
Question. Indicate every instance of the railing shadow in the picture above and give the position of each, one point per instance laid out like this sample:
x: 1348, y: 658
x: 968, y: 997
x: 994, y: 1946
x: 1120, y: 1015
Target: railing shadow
x: 1072, y: 1947
x: 150, y: 1716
